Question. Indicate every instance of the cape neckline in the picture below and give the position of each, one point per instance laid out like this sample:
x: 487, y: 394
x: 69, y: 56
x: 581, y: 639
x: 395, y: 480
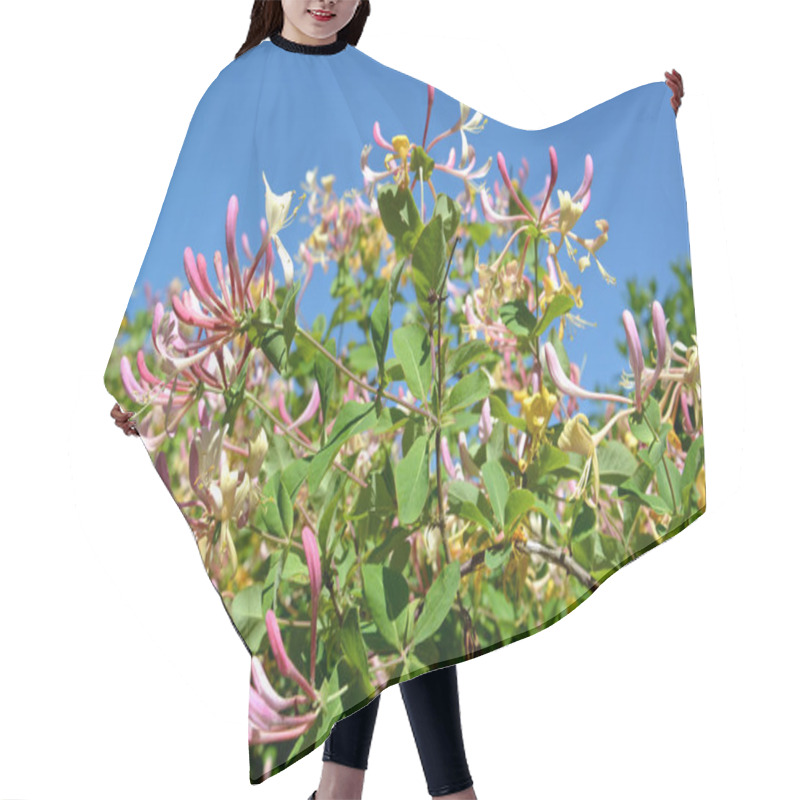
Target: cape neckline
x: 312, y: 49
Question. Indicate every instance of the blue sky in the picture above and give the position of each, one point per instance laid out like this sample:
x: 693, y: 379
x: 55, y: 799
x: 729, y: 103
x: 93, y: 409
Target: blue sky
x: 637, y: 187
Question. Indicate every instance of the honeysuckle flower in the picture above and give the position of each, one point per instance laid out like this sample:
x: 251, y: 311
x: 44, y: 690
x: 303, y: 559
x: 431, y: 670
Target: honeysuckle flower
x: 455, y: 471
x: 312, y: 407
x: 205, y: 453
x: 191, y: 362
x: 547, y: 219
x: 267, y: 691
x: 219, y: 317
x: 285, y: 664
x: 163, y: 470
x: 536, y: 411
x: 662, y: 346
x: 592, y: 246
x: 464, y: 124
x: 266, y: 723
x: 432, y: 538
x: 277, y: 219
x: 635, y: 357
x: 574, y: 376
x: 486, y: 422
x: 566, y: 386
x: 397, y: 161
x: 228, y: 495
x: 469, y: 466
x: 258, y: 452
x: 555, y: 281
x: 311, y: 550
x: 575, y: 438
x: 687, y: 422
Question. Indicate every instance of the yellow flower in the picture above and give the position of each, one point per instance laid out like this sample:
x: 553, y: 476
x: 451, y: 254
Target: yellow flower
x: 242, y: 578
x: 593, y: 245
x: 575, y: 438
x: 569, y: 212
x: 401, y: 146
x: 701, y: 487
x: 520, y: 535
x: 537, y: 408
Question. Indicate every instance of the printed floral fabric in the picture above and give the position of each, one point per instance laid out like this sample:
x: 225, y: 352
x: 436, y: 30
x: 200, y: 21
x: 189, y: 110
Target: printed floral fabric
x: 418, y: 380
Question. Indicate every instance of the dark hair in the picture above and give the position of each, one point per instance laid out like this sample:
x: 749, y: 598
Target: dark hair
x: 266, y: 18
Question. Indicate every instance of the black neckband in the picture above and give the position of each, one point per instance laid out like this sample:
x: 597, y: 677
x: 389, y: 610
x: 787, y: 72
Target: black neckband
x: 312, y: 49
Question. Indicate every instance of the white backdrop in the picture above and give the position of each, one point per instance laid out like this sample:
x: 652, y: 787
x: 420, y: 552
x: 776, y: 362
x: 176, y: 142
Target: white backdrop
x: 120, y: 674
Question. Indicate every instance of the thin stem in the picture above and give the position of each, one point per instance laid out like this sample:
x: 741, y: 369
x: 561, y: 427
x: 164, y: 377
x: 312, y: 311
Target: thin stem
x: 250, y: 396
x: 664, y: 462
x: 358, y: 381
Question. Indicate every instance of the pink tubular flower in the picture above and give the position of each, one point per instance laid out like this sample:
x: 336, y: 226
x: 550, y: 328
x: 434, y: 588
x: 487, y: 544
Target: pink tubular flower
x: 566, y: 386
x: 453, y: 470
x: 308, y: 413
x: 311, y: 548
x: 285, y: 664
x: 662, y: 345
x: 265, y: 722
x: 635, y: 357
x: 574, y: 376
x: 486, y: 422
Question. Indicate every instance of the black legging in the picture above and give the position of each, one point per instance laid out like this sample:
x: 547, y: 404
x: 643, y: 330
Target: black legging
x: 431, y: 701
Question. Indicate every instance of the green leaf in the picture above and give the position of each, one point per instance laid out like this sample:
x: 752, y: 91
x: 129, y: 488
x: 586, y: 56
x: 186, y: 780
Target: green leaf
x: 412, y: 478
x: 277, y: 510
x: 353, y: 418
x: 361, y: 358
x: 691, y: 465
x: 550, y: 459
x: 519, y: 502
x: 644, y: 422
x: 277, y: 342
x: 420, y: 160
x: 438, y: 602
x: 427, y: 264
x: 463, y: 499
x: 691, y: 468
x: 653, y: 453
x: 294, y: 475
x: 471, y: 512
x: 517, y: 317
x: 353, y: 647
x: 496, y: 480
x: 379, y: 327
x: 636, y: 486
x: 400, y: 217
x: 412, y: 346
x: 324, y: 373
x: 450, y: 212
x: 617, y: 463
x: 592, y: 549
x: 386, y: 593
x: 468, y: 391
x: 500, y: 411
x: 558, y: 306
x: 248, y: 616
x: 469, y: 353
x: 663, y: 483
x: 497, y: 558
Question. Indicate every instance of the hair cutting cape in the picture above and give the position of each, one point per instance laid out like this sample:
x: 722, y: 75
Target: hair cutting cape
x: 418, y: 380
